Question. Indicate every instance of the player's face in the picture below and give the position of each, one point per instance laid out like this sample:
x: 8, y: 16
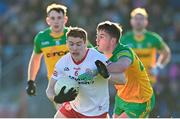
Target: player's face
x: 103, y: 41
x: 139, y: 22
x: 56, y: 20
x: 77, y: 47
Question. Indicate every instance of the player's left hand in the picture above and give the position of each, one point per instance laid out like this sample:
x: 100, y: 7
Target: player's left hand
x: 31, y: 88
x: 102, y: 70
x: 65, y: 97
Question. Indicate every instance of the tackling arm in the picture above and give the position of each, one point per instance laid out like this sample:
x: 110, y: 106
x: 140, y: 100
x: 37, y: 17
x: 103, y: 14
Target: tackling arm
x: 116, y: 78
x: 120, y: 66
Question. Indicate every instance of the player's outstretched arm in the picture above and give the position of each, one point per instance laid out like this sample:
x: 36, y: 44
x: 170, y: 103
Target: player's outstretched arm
x: 120, y: 66
x: 116, y: 78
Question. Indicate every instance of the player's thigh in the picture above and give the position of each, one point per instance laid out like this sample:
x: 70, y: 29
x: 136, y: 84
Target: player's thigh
x: 118, y: 106
x: 140, y: 110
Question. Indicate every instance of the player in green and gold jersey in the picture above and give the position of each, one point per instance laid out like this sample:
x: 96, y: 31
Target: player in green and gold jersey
x: 146, y: 44
x: 136, y: 97
x: 49, y: 43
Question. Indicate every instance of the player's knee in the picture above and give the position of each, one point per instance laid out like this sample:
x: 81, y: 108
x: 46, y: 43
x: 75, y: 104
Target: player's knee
x: 123, y: 115
x: 115, y: 116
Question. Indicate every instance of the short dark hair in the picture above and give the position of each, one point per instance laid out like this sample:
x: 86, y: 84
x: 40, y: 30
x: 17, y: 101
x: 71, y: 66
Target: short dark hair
x: 113, y: 29
x: 57, y: 7
x: 77, y: 32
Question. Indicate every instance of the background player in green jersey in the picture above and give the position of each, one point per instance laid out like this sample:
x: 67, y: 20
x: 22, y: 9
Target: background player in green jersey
x: 147, y: 45
x: 49, y: 43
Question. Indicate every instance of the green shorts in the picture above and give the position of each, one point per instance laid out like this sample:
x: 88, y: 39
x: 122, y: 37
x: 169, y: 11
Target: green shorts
x: 133, y: 110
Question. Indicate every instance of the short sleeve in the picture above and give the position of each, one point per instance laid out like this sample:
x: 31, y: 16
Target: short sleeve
x: 125, y: 53
x: 159, y: 41
x: 37, y: 45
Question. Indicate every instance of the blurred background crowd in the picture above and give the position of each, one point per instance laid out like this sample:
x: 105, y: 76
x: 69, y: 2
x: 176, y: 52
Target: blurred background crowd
x: 21, y: 20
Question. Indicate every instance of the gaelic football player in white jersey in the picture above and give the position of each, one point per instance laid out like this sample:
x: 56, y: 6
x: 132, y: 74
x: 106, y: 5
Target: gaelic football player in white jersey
x: 92, y: 99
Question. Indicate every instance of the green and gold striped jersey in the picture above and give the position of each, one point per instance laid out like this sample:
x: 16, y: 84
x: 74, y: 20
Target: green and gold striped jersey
x: 138, y: 87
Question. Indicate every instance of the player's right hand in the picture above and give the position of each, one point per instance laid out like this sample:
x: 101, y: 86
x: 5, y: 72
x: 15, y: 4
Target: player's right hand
x: 155, y: 71
x: 31, y: 88
x: 65, y: 97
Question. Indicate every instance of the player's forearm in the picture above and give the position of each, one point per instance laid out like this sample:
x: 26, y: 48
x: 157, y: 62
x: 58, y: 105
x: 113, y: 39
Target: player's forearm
x: 120, y: 66
x: 50, y: 90
x: 118, y: 78
x: 34, y: 65
x: 50, y: 94
x: 164, y: 57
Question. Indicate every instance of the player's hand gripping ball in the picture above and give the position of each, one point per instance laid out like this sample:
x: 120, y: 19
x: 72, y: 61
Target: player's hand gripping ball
x: 66, y: 89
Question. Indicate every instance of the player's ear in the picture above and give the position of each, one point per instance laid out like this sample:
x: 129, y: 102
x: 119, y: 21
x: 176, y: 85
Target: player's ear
x: 113, y: 41
x: 67, y: 44
x: 48, y: 20
x: 131, y: 21
x: 146, y: 22
x: 65, y: 19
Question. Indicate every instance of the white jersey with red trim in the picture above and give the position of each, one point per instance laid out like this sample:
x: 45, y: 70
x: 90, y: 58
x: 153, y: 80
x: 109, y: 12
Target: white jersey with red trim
x: 93, y: 96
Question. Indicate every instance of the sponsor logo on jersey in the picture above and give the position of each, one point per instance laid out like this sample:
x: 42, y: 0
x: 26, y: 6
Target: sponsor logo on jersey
x: 57, y: 53
x: 66, y: 69
x: 57, y: 42
x: 100, y: 108
x: 45, y: 43
x: 82, y: 81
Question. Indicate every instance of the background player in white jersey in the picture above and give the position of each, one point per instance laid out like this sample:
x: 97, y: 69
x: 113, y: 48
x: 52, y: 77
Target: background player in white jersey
x: 93, y: 97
